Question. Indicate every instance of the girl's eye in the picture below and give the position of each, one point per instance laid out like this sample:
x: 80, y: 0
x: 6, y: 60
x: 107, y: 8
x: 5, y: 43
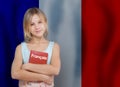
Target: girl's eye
x: 39, y: 22
x: 32, y: 24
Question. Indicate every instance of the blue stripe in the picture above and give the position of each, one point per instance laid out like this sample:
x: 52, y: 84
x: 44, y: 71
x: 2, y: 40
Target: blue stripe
x: 11, y: 34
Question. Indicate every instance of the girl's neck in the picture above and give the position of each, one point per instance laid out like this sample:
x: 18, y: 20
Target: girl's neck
x: 38, y: 40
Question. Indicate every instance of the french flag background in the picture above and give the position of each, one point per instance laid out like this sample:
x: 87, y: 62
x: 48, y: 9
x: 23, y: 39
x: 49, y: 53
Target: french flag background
x: 100, y: 54
x: 100, y: 43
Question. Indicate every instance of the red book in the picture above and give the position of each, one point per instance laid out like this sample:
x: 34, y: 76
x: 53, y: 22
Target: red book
x: 37, y: 57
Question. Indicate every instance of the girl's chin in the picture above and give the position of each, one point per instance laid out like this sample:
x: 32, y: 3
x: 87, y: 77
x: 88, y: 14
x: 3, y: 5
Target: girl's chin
x: 38, y: 36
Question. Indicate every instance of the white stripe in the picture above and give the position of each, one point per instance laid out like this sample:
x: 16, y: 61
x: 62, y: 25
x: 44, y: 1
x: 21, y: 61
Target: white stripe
x: 64, y: 27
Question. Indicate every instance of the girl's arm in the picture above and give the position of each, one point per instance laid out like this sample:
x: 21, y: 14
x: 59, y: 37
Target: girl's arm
x: 52, y: 69
x: 20, y: 74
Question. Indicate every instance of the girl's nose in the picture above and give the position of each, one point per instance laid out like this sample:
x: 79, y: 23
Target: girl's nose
x: 36, y: 26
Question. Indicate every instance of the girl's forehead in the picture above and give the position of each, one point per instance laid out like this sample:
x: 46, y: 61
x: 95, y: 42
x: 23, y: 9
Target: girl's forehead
x: 37, y: 17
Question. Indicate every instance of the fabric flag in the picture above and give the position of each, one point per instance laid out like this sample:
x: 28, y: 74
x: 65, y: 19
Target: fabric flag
x: 100, y: 43
x: 11, y: 34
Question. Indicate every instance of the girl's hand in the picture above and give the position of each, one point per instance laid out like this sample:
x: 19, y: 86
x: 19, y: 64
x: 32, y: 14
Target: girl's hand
x: 25, y: 66
x: 49, y: 80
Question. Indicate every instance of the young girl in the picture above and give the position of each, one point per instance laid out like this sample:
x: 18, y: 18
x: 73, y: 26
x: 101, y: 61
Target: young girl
x: 35, y: 34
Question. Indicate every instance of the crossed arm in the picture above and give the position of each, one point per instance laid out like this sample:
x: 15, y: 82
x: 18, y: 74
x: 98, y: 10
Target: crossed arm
x: 35, y: 72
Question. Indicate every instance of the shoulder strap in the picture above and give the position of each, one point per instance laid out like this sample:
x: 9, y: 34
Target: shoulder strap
x: 25, y: 52
x: 49, y: 50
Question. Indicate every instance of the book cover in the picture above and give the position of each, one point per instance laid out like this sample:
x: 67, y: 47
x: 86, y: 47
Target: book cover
x: 37, y: 57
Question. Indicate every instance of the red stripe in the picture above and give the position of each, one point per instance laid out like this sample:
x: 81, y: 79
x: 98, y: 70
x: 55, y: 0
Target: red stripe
x: 100, y: 43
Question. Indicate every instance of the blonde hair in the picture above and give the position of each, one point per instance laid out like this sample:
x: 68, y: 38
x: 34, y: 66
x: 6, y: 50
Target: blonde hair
x: 27, y: 20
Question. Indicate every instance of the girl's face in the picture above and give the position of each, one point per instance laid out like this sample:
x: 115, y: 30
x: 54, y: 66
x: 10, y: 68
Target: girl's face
x: 37, y: 26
